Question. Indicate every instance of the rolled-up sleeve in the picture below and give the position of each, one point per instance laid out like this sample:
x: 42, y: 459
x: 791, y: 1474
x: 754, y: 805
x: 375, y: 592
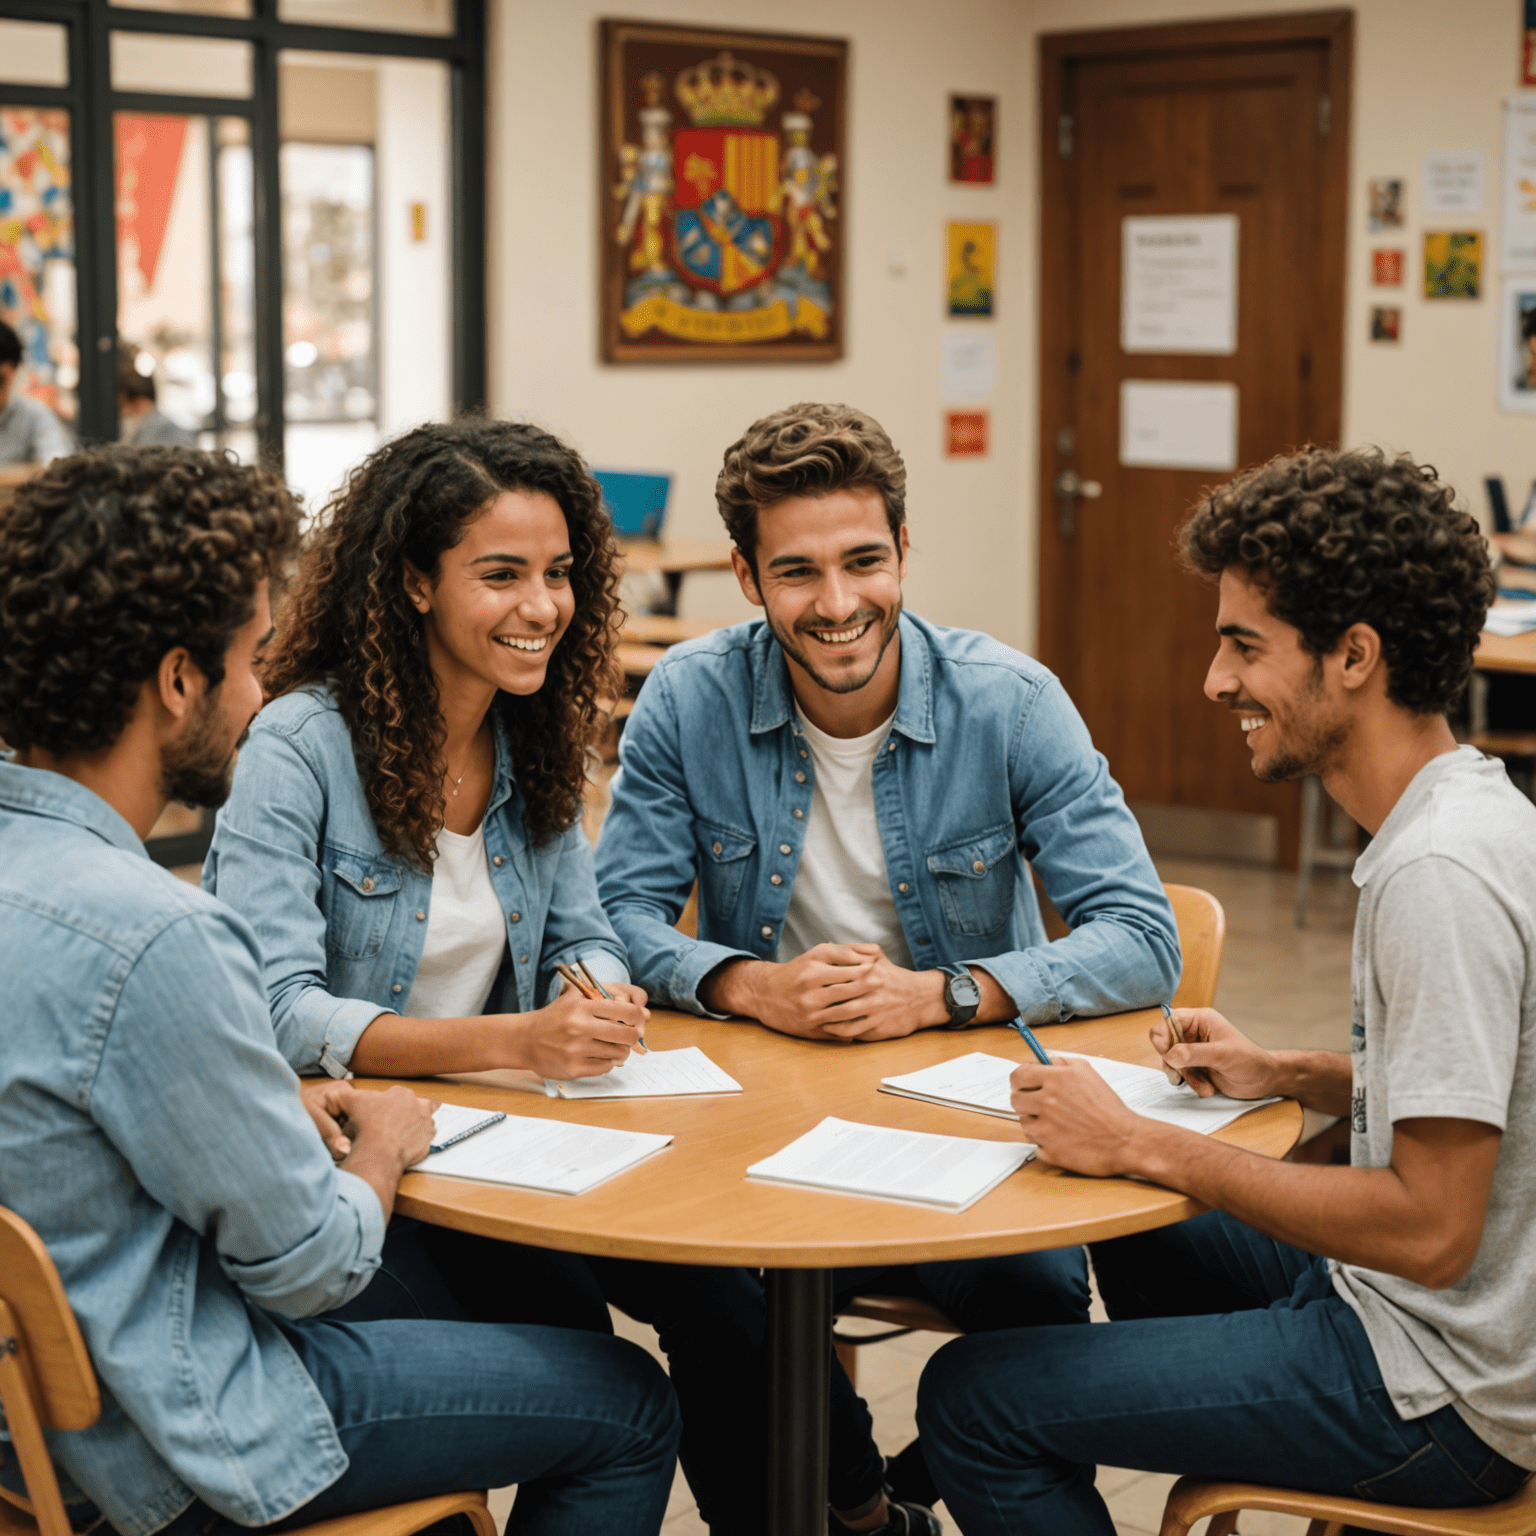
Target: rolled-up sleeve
x: 189, y: 1062
x: 576, y: 927
x: 265, y: 862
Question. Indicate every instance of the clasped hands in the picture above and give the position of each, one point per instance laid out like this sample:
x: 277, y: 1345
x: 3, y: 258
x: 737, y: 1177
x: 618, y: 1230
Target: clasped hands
x: 1077, y: 1120
x: 837, y: 992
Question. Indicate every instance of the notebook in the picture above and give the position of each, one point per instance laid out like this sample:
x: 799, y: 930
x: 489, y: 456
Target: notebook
x: 658, y: 1074
x: 980, y: 1082
x: 947, y: 1173
x: 553, y: 1156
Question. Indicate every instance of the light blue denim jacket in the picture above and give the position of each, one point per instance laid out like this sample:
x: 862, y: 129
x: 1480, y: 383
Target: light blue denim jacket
x: 153, y: 1136
x: 987, y: 765
x: 341, y: 923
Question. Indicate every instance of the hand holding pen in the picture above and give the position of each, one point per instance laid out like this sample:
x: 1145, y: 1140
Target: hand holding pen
x: 579, y: 977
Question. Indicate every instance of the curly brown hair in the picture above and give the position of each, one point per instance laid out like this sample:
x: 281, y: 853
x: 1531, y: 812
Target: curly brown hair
x: 111, y: 558
x: 347, y: 623
x: 807, y: 450
x: 1339, y: 537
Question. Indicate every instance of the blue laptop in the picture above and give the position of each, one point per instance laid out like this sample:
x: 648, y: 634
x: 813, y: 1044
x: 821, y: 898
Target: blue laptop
x: 636, y: 500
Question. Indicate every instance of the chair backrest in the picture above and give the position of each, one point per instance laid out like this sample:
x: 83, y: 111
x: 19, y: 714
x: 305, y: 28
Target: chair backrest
x: 1202, y: 937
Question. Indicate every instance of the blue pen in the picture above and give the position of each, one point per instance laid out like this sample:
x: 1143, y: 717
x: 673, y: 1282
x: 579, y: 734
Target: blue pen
x: 1031, y: 1042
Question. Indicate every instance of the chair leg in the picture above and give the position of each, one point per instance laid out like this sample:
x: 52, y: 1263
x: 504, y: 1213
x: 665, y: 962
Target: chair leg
x: 1325, y: 1528
x: 1311, y: 814
x: 848, y: 1358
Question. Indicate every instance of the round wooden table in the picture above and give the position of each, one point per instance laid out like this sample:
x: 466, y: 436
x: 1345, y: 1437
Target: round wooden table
x: 692, y: 1204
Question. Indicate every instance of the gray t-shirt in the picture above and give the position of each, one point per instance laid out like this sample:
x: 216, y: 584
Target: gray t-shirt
x: 30, y: 433
x: 1444, y: 1027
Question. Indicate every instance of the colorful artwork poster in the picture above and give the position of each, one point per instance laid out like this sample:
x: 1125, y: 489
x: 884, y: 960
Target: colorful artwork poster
x: 1386, y: 323
x: 1387, y: 269
x: 970, y: 268
x: 1517, y: 349
x: 965, y: 434
x: 1384, y: 203
x: 1528, y: 53
x: 972, y: 135
x: 721, y: 189
x: 1453, y: 264
x: 37, y: 250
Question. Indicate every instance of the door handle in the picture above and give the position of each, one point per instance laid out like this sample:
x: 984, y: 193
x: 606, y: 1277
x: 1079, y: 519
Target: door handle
x: 1070, y: 487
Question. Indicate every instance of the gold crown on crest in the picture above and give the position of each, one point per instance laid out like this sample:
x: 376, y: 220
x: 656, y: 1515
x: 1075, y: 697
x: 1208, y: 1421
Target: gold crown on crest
x: 724, y: 91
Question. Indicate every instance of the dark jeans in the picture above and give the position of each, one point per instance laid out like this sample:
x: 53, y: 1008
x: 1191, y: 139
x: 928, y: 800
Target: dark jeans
x: 1231, y: 1357
x: 713, y: 1328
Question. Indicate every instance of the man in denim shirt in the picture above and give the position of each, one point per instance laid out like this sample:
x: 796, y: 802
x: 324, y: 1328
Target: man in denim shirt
x: 856, y: 792
x: 151, y: 1133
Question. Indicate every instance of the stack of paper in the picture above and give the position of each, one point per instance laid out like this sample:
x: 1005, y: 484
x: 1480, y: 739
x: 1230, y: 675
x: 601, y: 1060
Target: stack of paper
x: 980, y: 1082
x: 949, y: 1172
x: 550, y: 1155
x: 659, y: 1074
x: 1511, y: 616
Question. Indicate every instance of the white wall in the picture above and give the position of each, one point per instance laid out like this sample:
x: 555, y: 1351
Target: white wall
x: 968, y: 526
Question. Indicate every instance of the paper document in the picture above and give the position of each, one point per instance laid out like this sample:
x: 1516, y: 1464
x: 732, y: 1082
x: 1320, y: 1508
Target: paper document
x: 660, y: 1074
x: 550, y: 1155
x: 980, y: 1082
x: 949, y: 1172
x: 455, y: 1122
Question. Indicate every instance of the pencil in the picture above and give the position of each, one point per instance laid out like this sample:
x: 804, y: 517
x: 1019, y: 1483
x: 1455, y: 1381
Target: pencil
x: 581, y: 965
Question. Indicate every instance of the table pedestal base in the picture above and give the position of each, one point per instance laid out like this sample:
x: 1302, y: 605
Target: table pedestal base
x: 799, y: 1404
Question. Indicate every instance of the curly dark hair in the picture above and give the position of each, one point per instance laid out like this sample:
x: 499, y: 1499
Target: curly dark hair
x: 111, y: 558
x: 1339, y: 537
x: 346, y: 622
x: 807, y: 450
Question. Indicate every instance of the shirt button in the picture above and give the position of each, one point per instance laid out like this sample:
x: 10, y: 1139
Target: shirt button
x: 367, y: 884
x: 522, y: 959
x: 902, y: 888
x: 421, y: 917
x: 767, y: 932
x: 798, y: 814
x: 800, y: 777
x: 892, y: 747
x: 517, y: 917
x: 785, y: 848
x: 804, y: 753
x: 716, y: 847
x: 775, y: 879
x: 497, y: 860
x: 979, y: 867
x: 396, y: 987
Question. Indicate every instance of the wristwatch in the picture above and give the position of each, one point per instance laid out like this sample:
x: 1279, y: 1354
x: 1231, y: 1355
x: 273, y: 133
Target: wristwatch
x: 962, y: 997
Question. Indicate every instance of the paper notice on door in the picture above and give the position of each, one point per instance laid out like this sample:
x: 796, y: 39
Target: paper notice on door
x: 1178, y: 284
x: 1173, y: 425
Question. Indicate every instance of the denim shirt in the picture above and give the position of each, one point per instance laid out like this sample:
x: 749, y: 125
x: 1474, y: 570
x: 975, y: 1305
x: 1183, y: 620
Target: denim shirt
x: 153, y: 1137
x: 341, y: 922
x: 987, y: 765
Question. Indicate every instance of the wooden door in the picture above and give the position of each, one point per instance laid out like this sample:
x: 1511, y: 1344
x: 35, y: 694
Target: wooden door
x: 1243, y: 117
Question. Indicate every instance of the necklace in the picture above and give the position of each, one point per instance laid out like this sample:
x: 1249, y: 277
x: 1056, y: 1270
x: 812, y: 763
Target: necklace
x: 458, y: 781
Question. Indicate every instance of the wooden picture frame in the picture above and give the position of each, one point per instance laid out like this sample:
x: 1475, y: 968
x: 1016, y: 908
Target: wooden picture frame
x: 721, y: 194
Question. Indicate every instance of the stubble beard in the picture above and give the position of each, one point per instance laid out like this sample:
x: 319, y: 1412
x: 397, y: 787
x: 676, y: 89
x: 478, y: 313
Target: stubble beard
x: 839, y: 684
x: 1314, y: 744
x: 198, y: 766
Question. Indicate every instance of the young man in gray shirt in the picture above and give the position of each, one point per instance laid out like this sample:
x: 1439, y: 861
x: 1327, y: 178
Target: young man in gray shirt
x: 29, y: 432
x: 1364, y: 1330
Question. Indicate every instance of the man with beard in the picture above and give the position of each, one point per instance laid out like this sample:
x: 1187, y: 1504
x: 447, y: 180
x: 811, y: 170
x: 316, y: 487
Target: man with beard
x: 856, y: 792
x: 151, y: 1133
x: 1363, y: 1330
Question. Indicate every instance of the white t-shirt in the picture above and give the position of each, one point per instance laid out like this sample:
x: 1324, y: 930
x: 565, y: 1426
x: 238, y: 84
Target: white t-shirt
x: 841, y: 894
x: 466, y: 933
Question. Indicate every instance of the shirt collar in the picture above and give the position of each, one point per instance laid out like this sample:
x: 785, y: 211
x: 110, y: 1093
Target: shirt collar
x: 1409, y: 804
x: 38, y: 792
x: 773, y: 700
x: 501, y: 780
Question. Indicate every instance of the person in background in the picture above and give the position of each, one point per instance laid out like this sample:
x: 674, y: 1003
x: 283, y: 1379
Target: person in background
x: 141, y: 421
x: 29, y: 432
x: 150, y: 1131
x: 856, y: 791
x: 1368, y: 1330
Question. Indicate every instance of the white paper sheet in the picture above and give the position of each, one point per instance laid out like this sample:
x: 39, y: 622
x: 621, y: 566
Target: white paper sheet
x: 842, y: 1157
x: 1178, y: 284
x: 656, y: 1075
x: 553, y: 1156
x: 1454, y: 181
x: 970, y: 364
x: 980, y: 1082
x: 451, y: 1120
x: 1166, y: 424
x: 1519, y: 184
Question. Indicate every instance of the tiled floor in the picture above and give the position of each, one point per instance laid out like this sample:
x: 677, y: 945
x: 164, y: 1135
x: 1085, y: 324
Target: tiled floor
x: 1286, y: 988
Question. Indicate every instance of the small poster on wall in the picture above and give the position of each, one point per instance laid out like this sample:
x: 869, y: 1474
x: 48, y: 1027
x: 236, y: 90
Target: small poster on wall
x: 1454, y: 181
x: 971, y: 267
x: 1387, y: 269
x: 1386, y: 322
x: 1384, y: 203
x: 972, y: 134
x: 1528, y: 61
x: 1519, y: 232
x: 1453, y: 264
x: 1517, y: 347
x: 965, y: 434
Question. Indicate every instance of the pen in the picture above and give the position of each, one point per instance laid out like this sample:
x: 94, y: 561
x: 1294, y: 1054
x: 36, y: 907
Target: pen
x: 591, y: 989
x: 581, y: 965
x: 1178, y: 1039
x: 1031, y: 1042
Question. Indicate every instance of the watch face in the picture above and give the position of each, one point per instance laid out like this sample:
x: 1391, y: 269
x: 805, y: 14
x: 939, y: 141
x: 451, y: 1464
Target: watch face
x: 963, y: 991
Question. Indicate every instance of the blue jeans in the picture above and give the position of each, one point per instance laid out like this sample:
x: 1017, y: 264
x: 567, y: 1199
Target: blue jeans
x: 1231, y: 1356
x: 586, y: 1426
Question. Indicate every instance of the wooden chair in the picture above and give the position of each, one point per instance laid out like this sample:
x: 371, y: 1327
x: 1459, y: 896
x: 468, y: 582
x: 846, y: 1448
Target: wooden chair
x: 1189, y: 1501
x: 1202, y: 937
x: 46, y: 1381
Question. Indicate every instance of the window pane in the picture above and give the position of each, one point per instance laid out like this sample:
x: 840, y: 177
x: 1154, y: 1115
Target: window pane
x: 37, y: 251
x: 428, y: 16
x: 182, y: 66
x: 33, y: 53
x: 195, y: 7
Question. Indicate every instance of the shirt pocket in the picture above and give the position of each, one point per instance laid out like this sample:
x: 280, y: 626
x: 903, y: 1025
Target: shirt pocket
x: 725, y: 853
x: 975, y: 877
x: 359, y: 899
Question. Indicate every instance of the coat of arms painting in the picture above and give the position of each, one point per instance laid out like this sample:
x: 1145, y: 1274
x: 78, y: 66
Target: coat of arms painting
x: 721, y: 194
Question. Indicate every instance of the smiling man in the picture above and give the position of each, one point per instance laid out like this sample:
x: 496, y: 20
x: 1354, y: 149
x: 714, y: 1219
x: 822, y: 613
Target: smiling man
x: 1363, y: 1330
x: 856, y: 792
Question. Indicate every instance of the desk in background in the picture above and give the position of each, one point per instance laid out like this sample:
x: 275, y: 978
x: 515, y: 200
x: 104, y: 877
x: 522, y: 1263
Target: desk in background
x: 673, y: 559
x: 692, y: 1204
